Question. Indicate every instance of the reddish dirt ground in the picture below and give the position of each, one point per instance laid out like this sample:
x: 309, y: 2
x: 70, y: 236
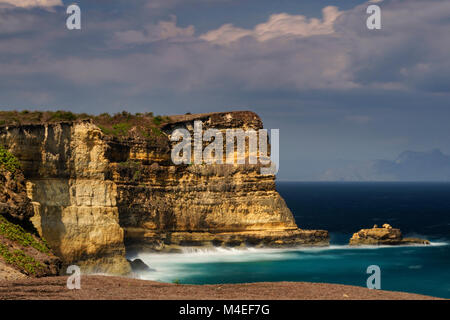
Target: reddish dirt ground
x: 119, y: 288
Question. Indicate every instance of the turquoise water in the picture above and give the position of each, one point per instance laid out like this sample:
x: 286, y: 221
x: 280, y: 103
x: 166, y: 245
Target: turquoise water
x: 418, y: 209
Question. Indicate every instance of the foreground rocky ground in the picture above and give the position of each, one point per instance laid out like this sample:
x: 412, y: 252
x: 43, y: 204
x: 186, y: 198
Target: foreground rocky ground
x: 119, y: 288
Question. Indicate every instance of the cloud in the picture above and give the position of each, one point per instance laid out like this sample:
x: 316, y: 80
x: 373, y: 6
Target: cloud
x: 162, y: 31
x: 226, y: 34
x: 32, y: 3
x: 278, y: 25
x: 165, y: 4
x: 284, y: 53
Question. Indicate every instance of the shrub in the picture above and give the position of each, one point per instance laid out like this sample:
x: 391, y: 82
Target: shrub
x: 136, y: 175
x: 63, y: 116
x: 121, y: 128
x: 8, y: 161
x: 157, y: 120
x: 156, y: 131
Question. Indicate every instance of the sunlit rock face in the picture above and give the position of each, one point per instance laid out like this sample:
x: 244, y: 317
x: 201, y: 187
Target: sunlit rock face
x: 96, y: 196
x: 202, y: 204
x: 385, y: 235
x: 74, y: 200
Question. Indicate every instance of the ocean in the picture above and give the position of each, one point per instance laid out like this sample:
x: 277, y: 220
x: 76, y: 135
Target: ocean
x: 418, y: 209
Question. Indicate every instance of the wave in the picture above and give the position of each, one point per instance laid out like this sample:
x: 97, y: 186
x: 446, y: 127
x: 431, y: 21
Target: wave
x: 172, y: 266
x: 193, y: 261
x: 441, y: 243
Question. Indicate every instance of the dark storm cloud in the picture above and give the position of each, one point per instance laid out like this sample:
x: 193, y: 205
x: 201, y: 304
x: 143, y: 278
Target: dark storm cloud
x: 286, y: 52
x: 356, y: 93
x: 411, y: 47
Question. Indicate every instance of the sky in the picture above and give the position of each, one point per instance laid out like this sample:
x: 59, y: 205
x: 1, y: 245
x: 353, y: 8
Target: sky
x: 338, y: 92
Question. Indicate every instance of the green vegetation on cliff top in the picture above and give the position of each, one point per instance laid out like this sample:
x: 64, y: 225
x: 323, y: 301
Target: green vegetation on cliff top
x: 119, y: 125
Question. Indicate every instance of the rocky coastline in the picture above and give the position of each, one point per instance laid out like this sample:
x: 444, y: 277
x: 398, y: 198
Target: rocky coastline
x: 98, y: 192
x: 96, y: 196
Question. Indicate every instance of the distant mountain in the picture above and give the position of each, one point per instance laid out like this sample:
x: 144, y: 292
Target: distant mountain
x: 409, y: 166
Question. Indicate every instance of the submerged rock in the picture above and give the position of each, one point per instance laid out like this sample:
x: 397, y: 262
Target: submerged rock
x: 137, y: 265
x: 385, y: 235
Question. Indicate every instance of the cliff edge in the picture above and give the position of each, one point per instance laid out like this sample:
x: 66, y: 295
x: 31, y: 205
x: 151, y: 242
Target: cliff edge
x: 103, y: 186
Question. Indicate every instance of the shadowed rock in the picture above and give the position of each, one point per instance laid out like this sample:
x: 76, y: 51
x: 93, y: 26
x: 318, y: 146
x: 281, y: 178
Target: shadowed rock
x: 137, y: 265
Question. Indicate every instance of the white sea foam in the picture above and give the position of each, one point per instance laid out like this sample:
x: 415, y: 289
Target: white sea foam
x: 440, y: 243
x: 415, y: 267
x: 172, y: 266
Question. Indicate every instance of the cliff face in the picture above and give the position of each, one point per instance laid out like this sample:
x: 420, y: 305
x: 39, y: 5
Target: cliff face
x: 74, y: 200
x: 22, y: 252
x: 95, y: 195
x: 14, y: 203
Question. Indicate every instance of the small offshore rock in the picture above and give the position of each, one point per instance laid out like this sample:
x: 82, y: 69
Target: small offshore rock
x: 383, y: 236
x: 137, y: 265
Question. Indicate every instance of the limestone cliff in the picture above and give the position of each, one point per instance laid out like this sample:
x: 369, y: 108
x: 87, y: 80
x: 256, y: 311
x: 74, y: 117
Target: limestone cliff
x: 74, y: 200
x: 96, y: 195
x: 383, y: 236
x: 22, y: 252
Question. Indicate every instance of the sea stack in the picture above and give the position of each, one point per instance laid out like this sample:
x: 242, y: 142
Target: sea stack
x: 386, y: 235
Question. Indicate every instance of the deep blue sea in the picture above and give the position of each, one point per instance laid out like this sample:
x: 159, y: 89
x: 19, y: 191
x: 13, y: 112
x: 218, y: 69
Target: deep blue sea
x: 418, y: 209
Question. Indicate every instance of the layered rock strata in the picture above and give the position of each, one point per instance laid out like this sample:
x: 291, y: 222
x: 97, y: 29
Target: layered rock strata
x: 74, y: 199
x: 96, y: 195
